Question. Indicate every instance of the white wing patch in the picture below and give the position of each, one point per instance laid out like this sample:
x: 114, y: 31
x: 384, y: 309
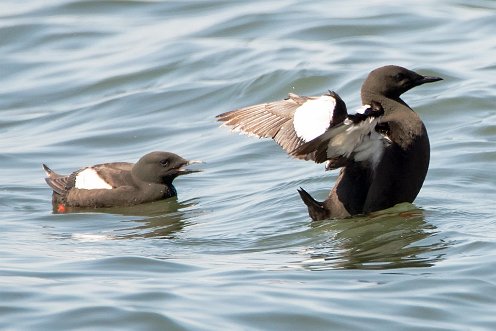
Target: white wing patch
x: 313, y: 117
x: 89, y: 179
x: 362, y: 109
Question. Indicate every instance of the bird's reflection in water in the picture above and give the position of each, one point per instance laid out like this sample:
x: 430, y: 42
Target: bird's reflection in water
x: 395, y: 238
x: 164, y: 219
x: 159, y: 219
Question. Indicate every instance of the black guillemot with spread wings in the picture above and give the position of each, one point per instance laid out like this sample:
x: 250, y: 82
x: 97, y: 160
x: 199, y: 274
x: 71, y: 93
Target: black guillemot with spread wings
x: 383, y: 149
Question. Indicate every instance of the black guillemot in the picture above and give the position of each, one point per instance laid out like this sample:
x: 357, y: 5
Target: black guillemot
x: 118, y: 183
x: 383, y: 149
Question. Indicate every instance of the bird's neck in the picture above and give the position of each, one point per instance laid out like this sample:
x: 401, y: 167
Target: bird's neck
x: 403, y: 123
x: 170, y: 191
x: 369, y: 96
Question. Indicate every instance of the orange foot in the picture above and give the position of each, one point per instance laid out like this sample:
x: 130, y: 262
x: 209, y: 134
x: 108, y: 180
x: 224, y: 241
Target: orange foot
x: 61, y: 208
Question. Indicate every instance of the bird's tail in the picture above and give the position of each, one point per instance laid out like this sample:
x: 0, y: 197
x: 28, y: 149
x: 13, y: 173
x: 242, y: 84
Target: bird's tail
x: 49, y: 172
x: 54, y: 180
x: 316, y: 209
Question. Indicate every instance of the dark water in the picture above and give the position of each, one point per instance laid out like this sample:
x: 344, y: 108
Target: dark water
x: 85, y: 82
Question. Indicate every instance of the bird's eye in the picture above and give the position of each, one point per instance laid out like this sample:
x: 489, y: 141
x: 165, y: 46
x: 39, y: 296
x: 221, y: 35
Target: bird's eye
x: 164, y: 163
x: 399, y: 76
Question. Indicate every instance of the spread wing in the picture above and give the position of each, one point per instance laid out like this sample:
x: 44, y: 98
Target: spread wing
x: 290, y: 122
x: 359, y: 138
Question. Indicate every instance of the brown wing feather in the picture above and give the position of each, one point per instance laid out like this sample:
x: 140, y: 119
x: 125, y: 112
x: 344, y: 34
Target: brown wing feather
x: 338, y: 145
x: 320, y: 145
x: 116, y: 174
x: 269, y: 120
x: 263, y: 120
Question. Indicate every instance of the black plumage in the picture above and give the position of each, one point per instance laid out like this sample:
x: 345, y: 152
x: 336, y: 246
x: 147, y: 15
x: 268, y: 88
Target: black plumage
x: 119, y: 183
x: 383, y: 150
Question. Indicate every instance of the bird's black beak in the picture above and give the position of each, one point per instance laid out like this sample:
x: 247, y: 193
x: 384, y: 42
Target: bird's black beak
x: 182, y: 170
x: 427, y: 79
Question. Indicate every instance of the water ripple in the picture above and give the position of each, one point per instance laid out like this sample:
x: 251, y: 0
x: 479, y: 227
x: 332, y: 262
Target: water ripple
x: 85, y: 82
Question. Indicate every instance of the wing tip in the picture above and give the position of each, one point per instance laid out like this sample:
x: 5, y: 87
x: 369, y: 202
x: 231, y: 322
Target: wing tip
x: 221, y: 116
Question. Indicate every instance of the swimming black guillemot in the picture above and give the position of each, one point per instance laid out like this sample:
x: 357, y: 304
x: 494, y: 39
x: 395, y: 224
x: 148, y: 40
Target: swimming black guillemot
x: 383, y: 149
x: 118, y: 183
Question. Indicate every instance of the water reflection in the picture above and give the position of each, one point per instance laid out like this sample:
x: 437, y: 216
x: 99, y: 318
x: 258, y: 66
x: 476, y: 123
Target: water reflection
x: 395, y: 238
x: 159, y: 219
x: 162, y: 219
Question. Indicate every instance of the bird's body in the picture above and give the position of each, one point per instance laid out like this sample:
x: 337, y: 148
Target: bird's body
x: 383, y: 149
x: 118, y: 183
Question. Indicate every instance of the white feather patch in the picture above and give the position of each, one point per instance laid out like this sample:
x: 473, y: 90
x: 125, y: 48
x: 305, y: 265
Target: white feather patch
x: 370, y: 149
x: 313, y: 117
x: 361, y: 140
x: 362, y: 109
x: 89, y: 179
